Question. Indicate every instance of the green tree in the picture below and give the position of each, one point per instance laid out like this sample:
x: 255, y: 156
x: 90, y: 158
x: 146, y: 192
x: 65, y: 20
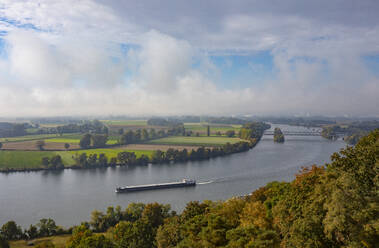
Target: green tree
x: 144, y: 135
x: 3, y: 242
x: 11, y: 231
x: 124, y: 234
x: 208, y: 130
x: 152, y: 134
x: 78, y: 234
x: 92, y: 160
x: 128, y: 138
x: 98, y: 140
x: 155, y: 213
x: 134, y: 212
x: 113, y: 162
x: 138, y: 234
x: 85, y: 141
x: 158, y: 156
x: 96, y: 241
x: 56, y: 162
x: 103, y: 160
x: 98, y: 221
x: 81, y: 160
x: 168, y: 235
x: 66, y: 146
x: 45, y: 162
x: 47, y: 227
x: 32, y: 232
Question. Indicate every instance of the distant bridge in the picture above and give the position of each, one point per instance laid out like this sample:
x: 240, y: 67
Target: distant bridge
x: 295, y: 133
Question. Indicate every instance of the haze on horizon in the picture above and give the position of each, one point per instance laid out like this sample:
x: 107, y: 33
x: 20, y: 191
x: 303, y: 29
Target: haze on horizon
x: 108, y: 57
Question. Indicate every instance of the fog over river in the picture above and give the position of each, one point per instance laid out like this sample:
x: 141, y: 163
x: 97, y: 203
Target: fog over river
x: 69, y: 196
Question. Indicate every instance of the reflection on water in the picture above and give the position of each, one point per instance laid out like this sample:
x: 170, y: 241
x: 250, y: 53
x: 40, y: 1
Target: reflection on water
x: 69, y: 196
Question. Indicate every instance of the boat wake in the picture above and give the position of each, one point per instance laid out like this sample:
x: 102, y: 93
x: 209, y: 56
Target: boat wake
x: 208, y: 182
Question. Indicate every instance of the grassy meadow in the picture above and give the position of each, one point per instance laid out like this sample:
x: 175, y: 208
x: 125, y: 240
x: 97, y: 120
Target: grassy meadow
x: 76, y: 140
x: 202, y: 128
x: 112, y: 152
x: 58, y: 241
x: 29, y: 159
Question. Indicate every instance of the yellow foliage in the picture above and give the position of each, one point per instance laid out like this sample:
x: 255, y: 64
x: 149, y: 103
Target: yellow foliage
x: 254, y: 213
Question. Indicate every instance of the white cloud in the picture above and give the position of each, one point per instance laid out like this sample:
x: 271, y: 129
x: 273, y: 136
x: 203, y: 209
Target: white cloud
x: 71, y: 63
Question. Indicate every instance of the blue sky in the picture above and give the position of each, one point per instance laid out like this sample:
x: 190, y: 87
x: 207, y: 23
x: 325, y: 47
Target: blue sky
x: 244, y: 70
x: 234, y: 57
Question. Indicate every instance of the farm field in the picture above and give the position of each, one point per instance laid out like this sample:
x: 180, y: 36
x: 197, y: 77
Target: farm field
x: 115, y: 125
x: 202, y: 128
x: 196, y: 141
x: 30, y: 159
x: 154, y: 147
x: 125, y: 122
x: 30, y: 145
x: 29, y: 137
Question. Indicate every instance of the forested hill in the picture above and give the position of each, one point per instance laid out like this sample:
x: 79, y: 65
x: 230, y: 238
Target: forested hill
x: 336, y: 205
x: 332, y: 206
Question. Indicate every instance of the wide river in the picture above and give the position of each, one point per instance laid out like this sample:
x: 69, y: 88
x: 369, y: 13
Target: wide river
x: 69, y: 196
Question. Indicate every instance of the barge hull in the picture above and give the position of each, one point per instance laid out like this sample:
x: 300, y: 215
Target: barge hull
x: 155, y: 186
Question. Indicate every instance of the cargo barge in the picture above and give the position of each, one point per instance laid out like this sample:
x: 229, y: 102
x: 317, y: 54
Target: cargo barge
x: 183, y: 183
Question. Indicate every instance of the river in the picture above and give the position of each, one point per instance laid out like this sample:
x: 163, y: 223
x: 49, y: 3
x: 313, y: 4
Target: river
x: 69, y: 196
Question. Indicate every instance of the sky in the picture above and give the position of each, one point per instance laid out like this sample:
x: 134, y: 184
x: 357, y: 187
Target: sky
x: 174, y: 57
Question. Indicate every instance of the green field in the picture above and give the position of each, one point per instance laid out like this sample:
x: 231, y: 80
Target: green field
x: 195, y: 141
x: 29, y: 159
x: 112, y: 152
x: 125, y: 122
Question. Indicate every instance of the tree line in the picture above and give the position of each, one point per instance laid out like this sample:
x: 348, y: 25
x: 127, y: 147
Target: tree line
x: 142, y: 135
x: 163, y: 122
x: 12, y: 129
x: 94, y: 126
